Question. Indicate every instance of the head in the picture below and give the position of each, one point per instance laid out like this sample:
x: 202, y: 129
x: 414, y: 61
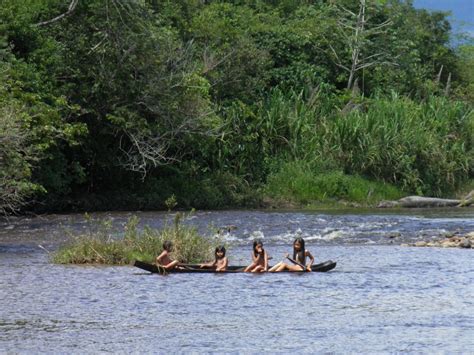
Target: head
x: 298, y: 247
x: 220, y: 252
x: 298, y: 244
x: 257, y: 247
x: 168, y: 246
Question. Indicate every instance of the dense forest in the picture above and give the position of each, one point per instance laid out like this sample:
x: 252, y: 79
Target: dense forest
x: 145, y: 104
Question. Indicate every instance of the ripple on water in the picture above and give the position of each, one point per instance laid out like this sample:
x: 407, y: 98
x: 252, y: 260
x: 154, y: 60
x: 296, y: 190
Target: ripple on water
x: 415, y: 299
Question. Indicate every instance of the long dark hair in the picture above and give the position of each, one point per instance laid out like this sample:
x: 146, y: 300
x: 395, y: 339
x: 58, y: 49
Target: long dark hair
x: 300, y: 255
x: 255, y: 243
x: 220, y: 248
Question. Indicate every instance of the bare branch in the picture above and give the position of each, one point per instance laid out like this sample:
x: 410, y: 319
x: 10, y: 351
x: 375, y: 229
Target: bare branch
x: 438, y: 78
x: 374, y: 55
x: 16, y: 157
x: 366, y: 65
x: 339, y: 64
x: 382, y: 25
x: 70, y: 10
x: 145, y: 150
x: 210, y: 62
x: 357, y: 32
x: 448, y: 86
x: 348, y: 11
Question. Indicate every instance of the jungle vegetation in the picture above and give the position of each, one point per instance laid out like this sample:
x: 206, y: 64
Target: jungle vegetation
x: 123, y: 104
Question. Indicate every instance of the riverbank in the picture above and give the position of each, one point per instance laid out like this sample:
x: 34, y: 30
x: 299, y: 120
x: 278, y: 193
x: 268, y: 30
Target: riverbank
x: 300, y: 193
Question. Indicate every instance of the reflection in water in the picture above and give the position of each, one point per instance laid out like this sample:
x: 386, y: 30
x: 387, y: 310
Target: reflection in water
x: 380, y: 298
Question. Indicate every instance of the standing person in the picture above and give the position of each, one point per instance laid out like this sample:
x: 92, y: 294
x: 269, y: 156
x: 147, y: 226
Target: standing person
x: 220, y: 260
x: 299, y: 256
x: 164, y: 259
x: 259, y: 258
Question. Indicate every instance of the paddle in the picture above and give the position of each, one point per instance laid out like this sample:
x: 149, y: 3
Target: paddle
x: 297, y: 263
x: 161, y: 270
x: 189, y: 266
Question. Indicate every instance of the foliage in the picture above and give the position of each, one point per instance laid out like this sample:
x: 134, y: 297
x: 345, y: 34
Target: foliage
x: 122, y: 104
x: 16, y: 157
x: 465, y: 67
x: 426, y: 148
x: 102, y: 245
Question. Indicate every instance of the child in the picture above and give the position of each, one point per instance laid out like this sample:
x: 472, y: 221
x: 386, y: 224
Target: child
x: 299, y: 255
x: 259, y: 258
x: 220, y: 262
x: 164, y: 259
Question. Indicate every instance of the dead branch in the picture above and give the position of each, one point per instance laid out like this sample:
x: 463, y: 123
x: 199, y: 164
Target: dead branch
x: 70, y: 10
x: 210, y: 62
x: 448, y: 86
x: 357, y: 31
x: 438, y: 77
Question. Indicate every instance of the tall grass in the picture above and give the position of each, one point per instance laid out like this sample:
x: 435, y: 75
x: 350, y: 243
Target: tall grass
x: 299, y: 182
x: 101, y: 244
x: 425, y: 148
x: 288, y: 121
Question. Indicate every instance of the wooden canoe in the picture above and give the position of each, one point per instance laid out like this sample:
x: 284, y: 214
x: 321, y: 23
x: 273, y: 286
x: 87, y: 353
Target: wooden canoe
x: 194, y: 268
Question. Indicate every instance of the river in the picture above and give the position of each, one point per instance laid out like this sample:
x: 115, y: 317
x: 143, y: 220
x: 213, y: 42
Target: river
x: 382, y: 297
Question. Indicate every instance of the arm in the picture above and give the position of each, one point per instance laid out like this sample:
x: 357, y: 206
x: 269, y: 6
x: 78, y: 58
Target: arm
x: 207, y: 265
x: 254, y: 258
x: 160, y: 257
x: 265, y: 261
x: 311, y: 260
x: 253, y: 264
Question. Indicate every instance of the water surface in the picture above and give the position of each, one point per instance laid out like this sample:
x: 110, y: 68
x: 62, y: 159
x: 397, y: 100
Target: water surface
x: 380, y: 298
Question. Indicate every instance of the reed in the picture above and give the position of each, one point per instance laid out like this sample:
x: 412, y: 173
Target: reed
x: 102, y: 244
x: 301, y: 183
x: 425, y: 148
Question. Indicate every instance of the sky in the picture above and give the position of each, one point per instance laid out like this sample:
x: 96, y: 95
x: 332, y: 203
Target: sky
x: 462, y: 12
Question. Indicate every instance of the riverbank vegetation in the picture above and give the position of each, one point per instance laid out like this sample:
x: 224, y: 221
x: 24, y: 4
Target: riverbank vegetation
x: 122, y: 104
x: 103, y: 244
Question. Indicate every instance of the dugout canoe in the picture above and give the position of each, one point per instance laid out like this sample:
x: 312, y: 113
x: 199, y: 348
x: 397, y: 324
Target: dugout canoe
x: 194, y: 268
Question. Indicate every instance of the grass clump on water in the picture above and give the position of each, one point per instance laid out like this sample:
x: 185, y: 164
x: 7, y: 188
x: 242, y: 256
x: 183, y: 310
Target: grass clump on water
x: 102, y: 244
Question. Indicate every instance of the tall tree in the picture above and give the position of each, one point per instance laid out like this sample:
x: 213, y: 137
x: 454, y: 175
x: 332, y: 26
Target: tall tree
x: 357, y: 34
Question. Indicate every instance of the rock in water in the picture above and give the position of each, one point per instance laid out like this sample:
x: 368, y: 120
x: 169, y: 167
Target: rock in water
x: 465, y: 243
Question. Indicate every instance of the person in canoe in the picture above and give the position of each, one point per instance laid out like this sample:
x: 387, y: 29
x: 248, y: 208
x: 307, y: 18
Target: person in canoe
x: 300, y: 254
x: 259, y: 258
x: 220, y: 260
x: 164, y: 260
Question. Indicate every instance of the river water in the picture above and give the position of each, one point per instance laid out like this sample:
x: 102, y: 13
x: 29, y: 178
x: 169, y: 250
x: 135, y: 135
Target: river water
x: 382, y: 297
